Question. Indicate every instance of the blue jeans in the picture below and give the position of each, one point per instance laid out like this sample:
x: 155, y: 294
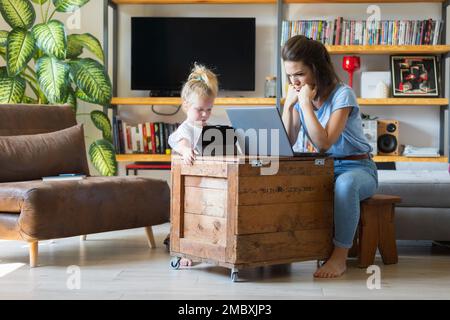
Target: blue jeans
x: 355, y: 180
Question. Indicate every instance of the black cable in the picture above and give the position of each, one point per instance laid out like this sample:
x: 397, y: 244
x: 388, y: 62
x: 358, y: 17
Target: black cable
x: 166, y: 114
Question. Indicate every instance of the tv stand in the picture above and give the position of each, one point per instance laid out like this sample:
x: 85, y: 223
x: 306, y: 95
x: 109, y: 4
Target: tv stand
x: 164, y: 93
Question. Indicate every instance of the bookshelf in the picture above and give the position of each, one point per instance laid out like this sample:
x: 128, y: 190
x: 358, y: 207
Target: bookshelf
x: 136, y: 101
x: 443, y: 50
x: 409, y: 159
x: 143, y: 157
x: 167, y: 158
x: 177, y: 101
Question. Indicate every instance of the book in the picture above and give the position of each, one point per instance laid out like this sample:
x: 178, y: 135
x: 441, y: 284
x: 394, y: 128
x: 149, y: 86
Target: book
x: 65, y: 177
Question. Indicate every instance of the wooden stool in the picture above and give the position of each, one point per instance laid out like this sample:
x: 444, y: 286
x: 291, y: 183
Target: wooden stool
x: 376, y: 230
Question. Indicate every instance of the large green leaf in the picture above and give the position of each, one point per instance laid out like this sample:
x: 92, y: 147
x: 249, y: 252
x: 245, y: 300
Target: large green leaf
x: 53, y: 77
x: 89, y: 42
x: 51, y: 38
x: 91, y: 78
x: 19, y: 50
x: 101, y: 121
x: 72, y: 99
x: 69, y: 5
x: 29, y: 100
x: 83, y: 96
x: 18, y: 13
x: 103, y: 157
x: 12, y: 89
x: 3, y: 38
x: 39, y: 1
x: 74, y: 48
x: 3, y: 53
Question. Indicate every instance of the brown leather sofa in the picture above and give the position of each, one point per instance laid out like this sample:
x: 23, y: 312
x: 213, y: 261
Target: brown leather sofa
x: 38, y: 141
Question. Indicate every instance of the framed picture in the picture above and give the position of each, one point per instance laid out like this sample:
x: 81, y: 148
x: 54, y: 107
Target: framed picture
x: 414, y: 76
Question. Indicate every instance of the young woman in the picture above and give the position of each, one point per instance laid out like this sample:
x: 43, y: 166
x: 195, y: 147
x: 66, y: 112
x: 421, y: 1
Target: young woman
x: 321, y: 112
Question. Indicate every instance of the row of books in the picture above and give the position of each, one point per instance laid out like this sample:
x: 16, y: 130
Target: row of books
x: 357, y: 32
x: 148, y: 137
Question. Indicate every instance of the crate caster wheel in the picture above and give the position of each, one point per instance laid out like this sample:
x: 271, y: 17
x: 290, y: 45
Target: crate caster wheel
x: 234, y: 274
x: 175, y: 263
x: 320, y: 263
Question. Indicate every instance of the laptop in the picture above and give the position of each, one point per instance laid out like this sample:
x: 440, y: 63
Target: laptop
x: 254, y: 127
x: 216, y: 141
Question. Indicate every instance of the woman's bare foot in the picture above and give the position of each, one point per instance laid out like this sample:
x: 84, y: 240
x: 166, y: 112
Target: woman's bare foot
x: 335, y: 266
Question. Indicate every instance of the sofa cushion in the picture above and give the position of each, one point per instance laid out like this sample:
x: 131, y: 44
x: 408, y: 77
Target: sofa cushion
x: 30, y: 157
x: 16, y: 119
x: 57, y: 209
x: 417, y: 188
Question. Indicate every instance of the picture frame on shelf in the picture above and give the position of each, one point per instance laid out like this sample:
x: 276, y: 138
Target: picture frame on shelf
x: 414, y: 76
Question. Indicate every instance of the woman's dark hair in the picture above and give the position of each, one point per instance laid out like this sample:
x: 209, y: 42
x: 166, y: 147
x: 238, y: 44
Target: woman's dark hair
x: 314, y: 55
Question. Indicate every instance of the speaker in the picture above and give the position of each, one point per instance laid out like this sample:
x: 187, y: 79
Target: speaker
x: 370, y: 132
x: 387, y: 141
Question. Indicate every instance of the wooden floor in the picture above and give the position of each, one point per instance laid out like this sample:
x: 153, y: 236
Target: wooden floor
x: 119, y: 265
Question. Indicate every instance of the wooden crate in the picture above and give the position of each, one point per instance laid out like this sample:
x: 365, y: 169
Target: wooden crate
x: 225, y: 212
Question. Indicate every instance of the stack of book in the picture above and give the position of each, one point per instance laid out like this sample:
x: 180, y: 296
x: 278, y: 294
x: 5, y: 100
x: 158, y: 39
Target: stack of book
x: 360, y: 32
x: 148, y: 137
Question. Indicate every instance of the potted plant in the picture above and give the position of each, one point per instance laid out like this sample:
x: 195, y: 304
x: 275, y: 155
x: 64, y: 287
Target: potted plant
x: 42, y: 57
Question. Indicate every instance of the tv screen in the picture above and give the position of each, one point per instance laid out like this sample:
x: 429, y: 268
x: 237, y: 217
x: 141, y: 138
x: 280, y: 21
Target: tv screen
x: 164, y: 50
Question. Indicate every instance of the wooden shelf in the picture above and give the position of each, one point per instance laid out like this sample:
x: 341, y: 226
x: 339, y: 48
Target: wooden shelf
x: 408, y: 159
x: 388, y: 49
x: 403, y: 102
x: 272, y: 101
x: 167, y: 158
x: 143, y: 157
x: 177, y: 101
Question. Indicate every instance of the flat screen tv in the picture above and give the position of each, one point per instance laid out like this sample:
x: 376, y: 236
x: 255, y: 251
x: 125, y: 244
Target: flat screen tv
x: 164, y: 50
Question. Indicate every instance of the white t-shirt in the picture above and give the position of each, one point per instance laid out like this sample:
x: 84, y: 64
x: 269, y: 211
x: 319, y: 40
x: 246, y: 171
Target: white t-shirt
x: 187, y: 131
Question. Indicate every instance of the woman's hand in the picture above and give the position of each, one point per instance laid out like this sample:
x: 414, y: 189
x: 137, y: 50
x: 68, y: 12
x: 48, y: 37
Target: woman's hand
x: 306, y: 94
x: 188, y: 156
x: 291, y: 97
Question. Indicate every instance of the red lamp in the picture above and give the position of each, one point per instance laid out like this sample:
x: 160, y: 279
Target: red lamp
x: 350, y: 64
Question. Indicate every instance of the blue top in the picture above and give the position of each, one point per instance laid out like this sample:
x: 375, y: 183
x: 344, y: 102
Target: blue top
x: 352, y: 140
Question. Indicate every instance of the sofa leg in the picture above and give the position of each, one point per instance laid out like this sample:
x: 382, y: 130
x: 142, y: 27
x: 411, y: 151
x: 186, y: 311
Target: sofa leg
x: 150, y: 238
x: 83, y: 238
x: 34, y: 249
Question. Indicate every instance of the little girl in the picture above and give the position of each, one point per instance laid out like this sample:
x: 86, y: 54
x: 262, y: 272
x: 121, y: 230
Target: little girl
x: 197, y: 97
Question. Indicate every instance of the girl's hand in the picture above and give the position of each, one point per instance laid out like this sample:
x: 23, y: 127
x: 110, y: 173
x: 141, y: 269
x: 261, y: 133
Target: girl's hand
x: 188, y: 156
x: 291, y: 97
x: 306, y: 94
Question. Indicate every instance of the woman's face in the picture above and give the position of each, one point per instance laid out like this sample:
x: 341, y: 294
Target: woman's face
x: 199, y: 109
x: 299, y: 74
